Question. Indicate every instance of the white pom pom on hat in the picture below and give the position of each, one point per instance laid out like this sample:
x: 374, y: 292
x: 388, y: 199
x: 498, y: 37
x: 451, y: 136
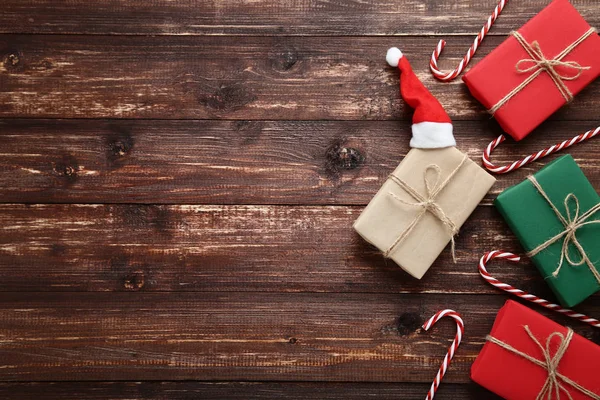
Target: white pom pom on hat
x: 393, y: 56
x: 432, y: 127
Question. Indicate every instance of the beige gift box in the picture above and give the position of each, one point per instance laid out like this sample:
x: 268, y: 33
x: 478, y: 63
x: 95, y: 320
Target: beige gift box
x: 413, y: 229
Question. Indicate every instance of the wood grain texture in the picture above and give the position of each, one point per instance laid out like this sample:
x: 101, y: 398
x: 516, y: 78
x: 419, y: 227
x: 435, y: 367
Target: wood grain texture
x: 264, y: 17
x: 232, y: 248
x: 171, y: 77
x: 178, y: 181
x: 186, y: 390
x: 250, y: 336
x: 236, y: 162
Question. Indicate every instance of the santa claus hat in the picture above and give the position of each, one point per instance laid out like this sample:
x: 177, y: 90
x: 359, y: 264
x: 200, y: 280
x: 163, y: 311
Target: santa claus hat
x: 432, y: 127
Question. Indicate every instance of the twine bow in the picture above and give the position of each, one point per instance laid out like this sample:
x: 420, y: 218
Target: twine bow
x: 571, y: 222
x: 539, y: 63
x: 426, y: 203
x: 554, y: 384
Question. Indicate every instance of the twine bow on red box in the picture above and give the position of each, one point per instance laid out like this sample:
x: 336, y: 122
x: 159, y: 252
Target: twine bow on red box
x: 538, y: 63
x: 556, y: 382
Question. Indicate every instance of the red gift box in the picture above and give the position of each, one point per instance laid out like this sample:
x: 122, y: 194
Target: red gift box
x: 518, y: 87
x: 513, y: 376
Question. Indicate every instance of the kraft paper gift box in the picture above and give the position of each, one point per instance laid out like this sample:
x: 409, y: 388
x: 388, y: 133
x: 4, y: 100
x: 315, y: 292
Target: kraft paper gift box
x: 513, y: 365
x: 557, y: 29
x: 537, y: 220
x: 393, y: 211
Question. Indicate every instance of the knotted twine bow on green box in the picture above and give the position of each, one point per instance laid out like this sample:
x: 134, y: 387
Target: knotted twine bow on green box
x: 568, y: 256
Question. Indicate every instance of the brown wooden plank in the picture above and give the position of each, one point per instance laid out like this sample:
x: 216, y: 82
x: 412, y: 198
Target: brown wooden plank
x: 176, y: 77
x: 185, y: 390
x: 235, y: 162
x: 229, y: 249
x: 267, y: 17
x: 249, y: 336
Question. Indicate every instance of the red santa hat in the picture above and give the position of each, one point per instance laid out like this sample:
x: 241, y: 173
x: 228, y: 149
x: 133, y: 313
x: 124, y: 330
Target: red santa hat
x: 432, y: 127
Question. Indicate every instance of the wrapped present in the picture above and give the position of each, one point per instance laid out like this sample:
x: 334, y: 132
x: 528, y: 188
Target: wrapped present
x: 537, y: 69
x: 422, y: 205
x: 424, y: 202
x: 556, y: 215
x: 528, y: 356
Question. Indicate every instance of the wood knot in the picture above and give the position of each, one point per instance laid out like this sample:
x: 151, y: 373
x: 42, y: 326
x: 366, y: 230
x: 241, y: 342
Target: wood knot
x: 47, y: 64
x: 66, y: 169
x: 13, y: 60
x: 349, y: 158
x: 408, y: 323
x: 134, y: 281
x: 119, y: 143
x: 120, y: 148
x: 293, y: 340
x: 284, y: 60
x: 227, y: 97
x: 339, y: 158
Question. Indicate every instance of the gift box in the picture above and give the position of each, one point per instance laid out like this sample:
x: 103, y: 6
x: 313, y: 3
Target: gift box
x: 401, y: 223
x: 513, y: 361
x: 555, y: 214
x: 537, y: 69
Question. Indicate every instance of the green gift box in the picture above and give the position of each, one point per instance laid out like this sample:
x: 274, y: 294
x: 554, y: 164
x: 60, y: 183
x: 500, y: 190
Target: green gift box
x: 556, y: 215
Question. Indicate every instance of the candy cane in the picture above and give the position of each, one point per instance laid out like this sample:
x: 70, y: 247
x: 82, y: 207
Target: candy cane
x: 460, y: 328
x: 448, y: 76
x: 533, y: 157
x: 487, y: 257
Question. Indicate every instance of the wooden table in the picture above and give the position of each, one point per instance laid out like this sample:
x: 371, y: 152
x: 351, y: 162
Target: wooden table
x: 178, y: 183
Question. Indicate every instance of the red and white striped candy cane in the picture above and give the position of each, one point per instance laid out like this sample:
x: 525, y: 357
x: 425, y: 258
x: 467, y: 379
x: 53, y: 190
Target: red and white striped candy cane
x: 448, y: 76
x: 487, y: 257
x: 460, y: 329
x: 533, y: 157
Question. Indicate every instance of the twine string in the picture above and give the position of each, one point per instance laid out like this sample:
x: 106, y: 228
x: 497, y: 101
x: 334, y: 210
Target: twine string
x: 572, y: 222
x: 539, y: 63
x: 554, y: 384
x: 427, y: 203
